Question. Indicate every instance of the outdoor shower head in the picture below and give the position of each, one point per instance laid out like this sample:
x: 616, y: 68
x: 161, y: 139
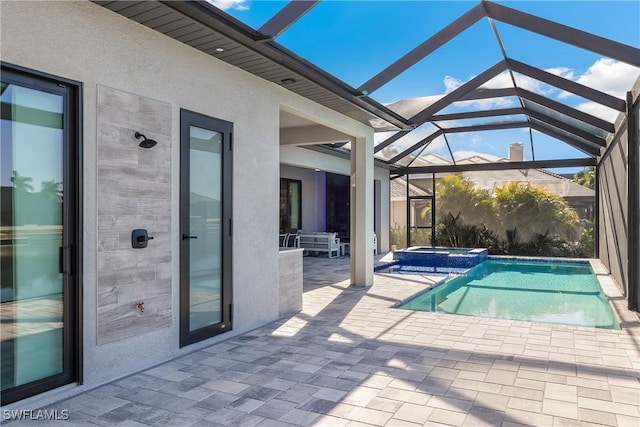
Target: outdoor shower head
x: 146, y: 143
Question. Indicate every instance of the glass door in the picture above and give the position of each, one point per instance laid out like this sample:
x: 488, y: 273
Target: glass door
x: 205, y: 218
x: 290, y: 205
x: 421, y: 215
x: 37, y: 223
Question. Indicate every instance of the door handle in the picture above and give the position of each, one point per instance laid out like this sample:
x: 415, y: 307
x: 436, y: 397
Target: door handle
x: 65, y: 259
x: 187, y: 237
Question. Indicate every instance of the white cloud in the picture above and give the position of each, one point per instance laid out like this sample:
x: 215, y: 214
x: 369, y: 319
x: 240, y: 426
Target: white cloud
x: 451, y: 83
x: 230, y: 4
x: 609, y: 76
x: 502, y: 80
x: 599, y: 110
x: 486, y: 104
x: 565, y: 72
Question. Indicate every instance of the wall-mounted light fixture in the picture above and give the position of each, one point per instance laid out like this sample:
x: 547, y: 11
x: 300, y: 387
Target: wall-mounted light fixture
x: 146, y: 142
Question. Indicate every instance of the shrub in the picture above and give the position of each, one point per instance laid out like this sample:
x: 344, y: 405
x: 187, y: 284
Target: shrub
x: 517, y: 219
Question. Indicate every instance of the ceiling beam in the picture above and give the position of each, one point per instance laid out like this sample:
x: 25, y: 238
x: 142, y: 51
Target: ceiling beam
x: 575, y: 143
x: 542, y: 100
x: 567, y: 85
x: 488, y: 126
x: 587, y: 136
x: 496, y: 166
x: 425, y: 141
x: 477, y: 114
x: 458, y: 93
x: 424, y: 49
x: 344, y: 154
x: 563, y: 33
x: 566, y: 110
x: 484, y: 93
x: 282, y: 20
x: 545, y: 128
x: 313, y: 135
x: 387, y: 142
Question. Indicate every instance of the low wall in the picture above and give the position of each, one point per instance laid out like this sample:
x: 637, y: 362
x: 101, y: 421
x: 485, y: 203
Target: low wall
x: 289, y: 281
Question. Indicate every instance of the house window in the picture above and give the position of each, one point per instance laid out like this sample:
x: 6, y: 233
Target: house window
x: 290, y: 205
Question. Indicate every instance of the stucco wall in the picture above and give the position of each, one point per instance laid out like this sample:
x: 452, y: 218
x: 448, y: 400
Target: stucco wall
x: 312, y: 195
x: 85, y: 42
x: 290, y: 282
x: 304, y: 158
x: 398, y: 213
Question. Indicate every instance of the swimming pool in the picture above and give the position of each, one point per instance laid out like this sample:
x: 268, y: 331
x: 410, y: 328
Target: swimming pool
x: 559, y: 292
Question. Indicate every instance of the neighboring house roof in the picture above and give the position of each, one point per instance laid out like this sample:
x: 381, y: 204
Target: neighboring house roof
x: 398, y: 190
x: 431, y: 159
x: 554, y: 183
x: 480, y: 158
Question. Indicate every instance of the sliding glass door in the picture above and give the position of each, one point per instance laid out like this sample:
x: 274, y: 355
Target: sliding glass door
x: 205, y: 219
x: 38, y: 220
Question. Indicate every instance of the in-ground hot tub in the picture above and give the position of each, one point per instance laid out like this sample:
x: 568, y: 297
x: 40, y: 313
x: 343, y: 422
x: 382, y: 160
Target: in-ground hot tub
x: 436, y: 259
x: 441, y: 257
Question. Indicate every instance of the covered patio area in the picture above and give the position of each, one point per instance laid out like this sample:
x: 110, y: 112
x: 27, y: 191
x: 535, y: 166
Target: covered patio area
x: 349, y: 358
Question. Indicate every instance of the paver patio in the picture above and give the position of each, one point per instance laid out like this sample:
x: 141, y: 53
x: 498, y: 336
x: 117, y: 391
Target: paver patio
x: 349, y: 359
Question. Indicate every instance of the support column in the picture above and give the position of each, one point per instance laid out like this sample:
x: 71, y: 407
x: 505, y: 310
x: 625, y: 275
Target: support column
x: 633, y: 198
x: 361, y: 212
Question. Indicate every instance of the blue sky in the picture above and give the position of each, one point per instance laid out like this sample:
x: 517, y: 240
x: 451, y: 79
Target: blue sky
x: 354, y: 40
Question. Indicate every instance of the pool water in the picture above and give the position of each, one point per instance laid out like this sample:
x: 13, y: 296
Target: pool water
x: 551, y: 292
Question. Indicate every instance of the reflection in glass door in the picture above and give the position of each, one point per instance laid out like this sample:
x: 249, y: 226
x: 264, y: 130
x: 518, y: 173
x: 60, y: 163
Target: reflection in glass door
x: 36, y: 231
x: 205, y: 227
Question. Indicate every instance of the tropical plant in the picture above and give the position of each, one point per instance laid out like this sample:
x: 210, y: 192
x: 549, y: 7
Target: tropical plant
x: 22, y: 183
x: 517, y: 219
x: 534, y: 210
x: 586, y: 177
x: 451, y: 231
x: 587, y: 245
x: 459, y: 197
x: 512, y: 245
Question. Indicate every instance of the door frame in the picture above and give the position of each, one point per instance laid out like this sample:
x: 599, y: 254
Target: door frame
x: 72, y: 249
x: 188, y: 119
